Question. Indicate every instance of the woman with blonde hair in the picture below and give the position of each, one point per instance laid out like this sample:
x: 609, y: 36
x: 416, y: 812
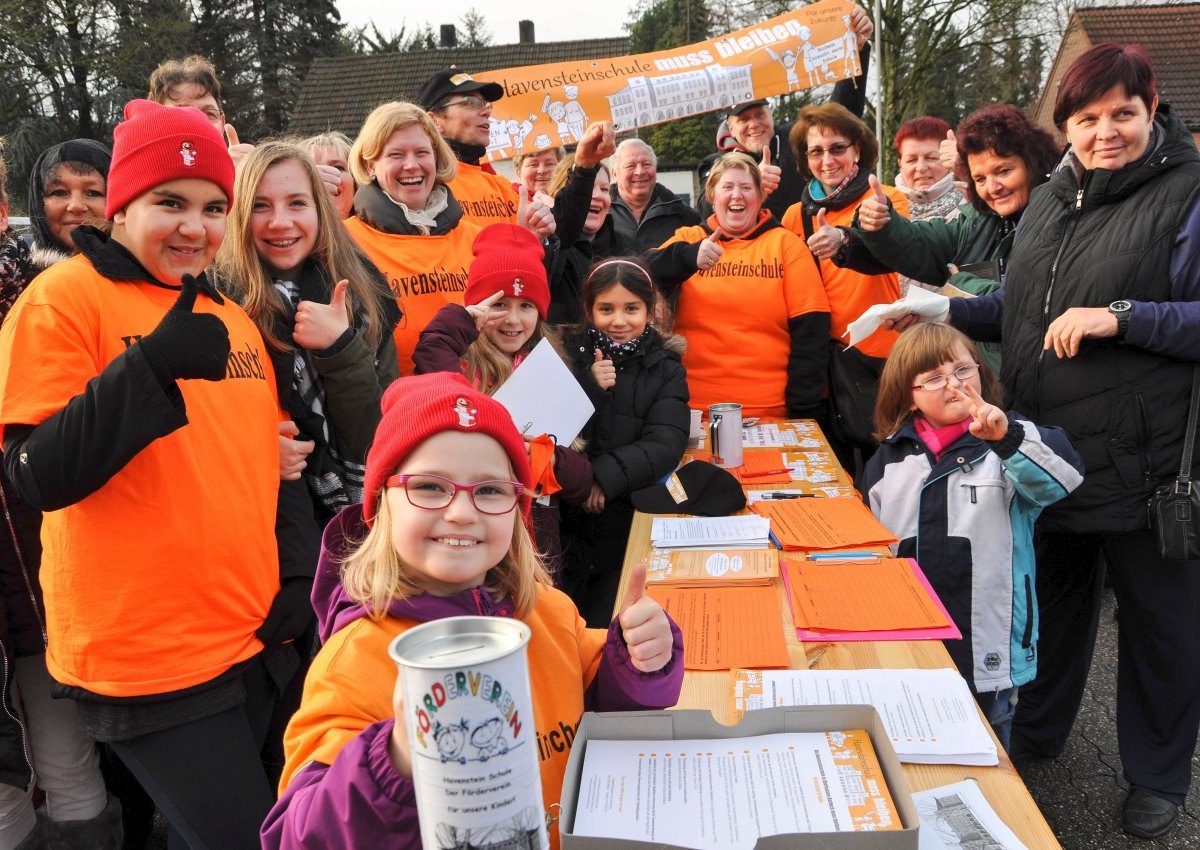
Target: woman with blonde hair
x: 749, y: 301
x: 406, y: 218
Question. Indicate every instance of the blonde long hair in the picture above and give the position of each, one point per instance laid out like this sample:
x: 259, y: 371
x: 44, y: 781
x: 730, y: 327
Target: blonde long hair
x: 246, y: 277
x: 487, y: 367
x: 375, y: 576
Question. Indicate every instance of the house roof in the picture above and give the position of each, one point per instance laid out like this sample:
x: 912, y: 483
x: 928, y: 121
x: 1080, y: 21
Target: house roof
x: 1169, y: 34
x: 341, y: 91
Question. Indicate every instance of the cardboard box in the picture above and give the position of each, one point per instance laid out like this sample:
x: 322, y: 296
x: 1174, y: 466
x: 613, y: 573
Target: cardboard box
x: 685, y: 724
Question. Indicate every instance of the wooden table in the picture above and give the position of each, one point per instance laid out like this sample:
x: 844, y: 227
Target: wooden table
x: 1001, y: 785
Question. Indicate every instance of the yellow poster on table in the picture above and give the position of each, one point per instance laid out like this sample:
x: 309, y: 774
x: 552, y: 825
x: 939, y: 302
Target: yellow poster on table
x: 545, y: 106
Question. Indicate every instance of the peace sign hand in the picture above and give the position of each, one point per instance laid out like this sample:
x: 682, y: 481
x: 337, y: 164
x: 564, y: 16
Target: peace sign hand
x: 482, y: 312
x: 988, y: 421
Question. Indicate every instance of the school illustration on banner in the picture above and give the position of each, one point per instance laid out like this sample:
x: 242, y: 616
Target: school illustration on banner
x: 547, y: 106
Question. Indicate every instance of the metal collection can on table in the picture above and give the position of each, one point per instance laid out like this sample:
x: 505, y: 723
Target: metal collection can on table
x: 469, y: 716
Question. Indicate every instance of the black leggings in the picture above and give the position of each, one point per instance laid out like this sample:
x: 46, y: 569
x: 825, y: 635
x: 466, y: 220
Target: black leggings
x: 206, y: 776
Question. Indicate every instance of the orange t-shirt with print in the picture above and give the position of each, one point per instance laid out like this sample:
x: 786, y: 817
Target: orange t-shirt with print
x: 158, y: 580
x: 350, y: 683
x: 485, y: 198
x: 850, y: 293
x: 735, y: 315
x: 425, y: 272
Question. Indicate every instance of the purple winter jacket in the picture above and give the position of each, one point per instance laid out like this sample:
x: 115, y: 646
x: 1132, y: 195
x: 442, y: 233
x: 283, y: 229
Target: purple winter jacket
x: 361, y: 800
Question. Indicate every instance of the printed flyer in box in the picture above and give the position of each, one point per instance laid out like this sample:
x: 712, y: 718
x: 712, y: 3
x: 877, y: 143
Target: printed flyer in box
x: 725, y: 794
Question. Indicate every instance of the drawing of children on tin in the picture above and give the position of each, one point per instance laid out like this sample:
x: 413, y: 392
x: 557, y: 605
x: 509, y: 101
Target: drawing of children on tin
x: 487, y: 740
x: 451, y: 740
x: 519, y: 832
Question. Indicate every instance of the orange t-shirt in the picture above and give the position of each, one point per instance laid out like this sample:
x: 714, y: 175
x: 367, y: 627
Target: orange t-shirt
x: 158, y: 580
x: 425, y: 272
x: 735, y: 318
x: 350, y: 683
x: 485, y: 198
x: 851, y: 293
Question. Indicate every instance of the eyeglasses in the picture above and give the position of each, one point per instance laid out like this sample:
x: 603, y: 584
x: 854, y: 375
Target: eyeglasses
x: 964, y: 373
x: 471, y: 101
x: 832, y: 150
x: 433, y: 492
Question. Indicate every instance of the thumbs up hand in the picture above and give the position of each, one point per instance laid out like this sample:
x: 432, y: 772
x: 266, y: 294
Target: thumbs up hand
x: 826, y: 239
x: 533, y: 215
x: 644, y: 625
x: 319, y: 326
x: 948, y: 152
x: 604, y: 371
x: 710, y: 251
x: 772, y: 175
x: 186, y: 344
x: 874, y: 212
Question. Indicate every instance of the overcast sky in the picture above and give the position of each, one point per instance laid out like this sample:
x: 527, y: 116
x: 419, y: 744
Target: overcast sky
x: 564, y: 20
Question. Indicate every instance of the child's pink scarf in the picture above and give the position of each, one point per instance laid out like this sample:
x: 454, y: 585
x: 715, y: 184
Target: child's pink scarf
x: 937, y: 440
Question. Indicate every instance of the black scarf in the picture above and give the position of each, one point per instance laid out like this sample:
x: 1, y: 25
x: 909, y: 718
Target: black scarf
x: 374, y: 207
x: 466, y: 152
x: 849, y: 194
x: 615, y: 351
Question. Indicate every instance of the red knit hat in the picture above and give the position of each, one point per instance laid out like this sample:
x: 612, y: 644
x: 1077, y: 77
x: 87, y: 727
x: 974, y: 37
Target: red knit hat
x: 416, y: 408
x: 508, y: 257
x: 156, y: 144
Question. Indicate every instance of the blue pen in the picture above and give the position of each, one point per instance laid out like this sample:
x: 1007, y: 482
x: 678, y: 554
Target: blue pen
x: 841, y: 556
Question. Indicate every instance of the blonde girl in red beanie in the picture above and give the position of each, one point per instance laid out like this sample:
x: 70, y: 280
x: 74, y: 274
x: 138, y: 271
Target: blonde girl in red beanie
x: 438, y: 535
x: 508, y: 298
x: 139, y: 414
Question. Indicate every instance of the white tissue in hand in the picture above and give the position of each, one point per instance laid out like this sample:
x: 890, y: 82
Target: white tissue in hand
x: 928, y: 305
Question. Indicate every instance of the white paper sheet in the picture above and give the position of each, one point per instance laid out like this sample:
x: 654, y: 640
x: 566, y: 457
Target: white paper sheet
x: 930, y: 715
x: 726, y: 532
x: 544, y: 398
x: 959, y: 816
x: 719, y: 794
x: 758, y: 436
x: 924, y: 303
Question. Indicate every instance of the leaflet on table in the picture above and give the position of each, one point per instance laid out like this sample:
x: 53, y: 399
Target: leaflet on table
x: 726, y: 627
x: 706, y: 567
x: 930, y: 715
x: 823, y: 523
x: 726, y: 793
x: 726, y: 532
x: 770, y: 436
x: 853, y: 595
x: 541, y: 378
x: 957, y: 816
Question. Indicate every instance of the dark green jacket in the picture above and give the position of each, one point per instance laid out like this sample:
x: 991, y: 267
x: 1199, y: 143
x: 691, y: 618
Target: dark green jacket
x: 922, y: 250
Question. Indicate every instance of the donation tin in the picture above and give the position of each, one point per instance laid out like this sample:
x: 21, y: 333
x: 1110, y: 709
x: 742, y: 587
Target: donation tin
x: 469, y: 716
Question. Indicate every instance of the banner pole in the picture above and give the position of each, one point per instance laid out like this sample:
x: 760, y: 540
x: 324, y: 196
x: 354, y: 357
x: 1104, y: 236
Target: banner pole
x: 879, y: 88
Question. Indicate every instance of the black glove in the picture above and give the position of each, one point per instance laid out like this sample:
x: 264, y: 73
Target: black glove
x: 291, y: 612
x: 187, y: 344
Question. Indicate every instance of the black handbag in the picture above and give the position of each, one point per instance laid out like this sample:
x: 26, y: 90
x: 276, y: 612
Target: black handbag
x: 1175, y: 507
x: 853, y: 386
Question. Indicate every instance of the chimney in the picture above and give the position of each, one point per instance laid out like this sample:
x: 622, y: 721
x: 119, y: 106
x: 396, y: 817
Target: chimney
x: 526, y: 30
x: 449, y: 36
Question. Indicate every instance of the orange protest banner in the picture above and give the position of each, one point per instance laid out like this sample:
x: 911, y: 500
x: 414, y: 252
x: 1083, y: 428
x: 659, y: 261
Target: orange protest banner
x: 545, y: 106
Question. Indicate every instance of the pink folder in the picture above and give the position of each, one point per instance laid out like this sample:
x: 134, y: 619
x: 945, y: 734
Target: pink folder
x: 949, y: 632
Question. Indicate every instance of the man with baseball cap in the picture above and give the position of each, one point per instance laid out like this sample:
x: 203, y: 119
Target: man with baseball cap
x: 461, y: 107
x: 749, y: 127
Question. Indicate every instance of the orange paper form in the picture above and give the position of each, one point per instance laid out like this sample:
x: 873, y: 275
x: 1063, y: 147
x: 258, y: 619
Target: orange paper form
x: 823, y: 523
x: 860, y: 597
x: 726, y: 627
x: 755, y: 461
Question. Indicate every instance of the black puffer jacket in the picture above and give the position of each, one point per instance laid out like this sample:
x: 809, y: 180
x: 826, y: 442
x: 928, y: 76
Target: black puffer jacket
x: 637, y: 435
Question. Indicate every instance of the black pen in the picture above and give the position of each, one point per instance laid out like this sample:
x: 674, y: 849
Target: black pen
x: 780, y: 496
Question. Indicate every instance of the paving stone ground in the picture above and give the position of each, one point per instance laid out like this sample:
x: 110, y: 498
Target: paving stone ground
x: 1081, y: 792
